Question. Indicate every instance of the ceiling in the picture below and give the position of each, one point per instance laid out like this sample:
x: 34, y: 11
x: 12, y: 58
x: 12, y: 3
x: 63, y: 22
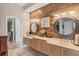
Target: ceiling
x: 25, y: 5
x: 53, y: 8
x: 21, y: 4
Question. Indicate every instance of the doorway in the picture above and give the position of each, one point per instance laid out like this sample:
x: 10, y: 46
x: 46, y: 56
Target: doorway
x: 13, y: 31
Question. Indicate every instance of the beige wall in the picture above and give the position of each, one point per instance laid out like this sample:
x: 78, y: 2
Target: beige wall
x: 10, y: 10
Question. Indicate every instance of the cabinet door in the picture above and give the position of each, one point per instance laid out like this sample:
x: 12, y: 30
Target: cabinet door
x: 29, y: 42
x: 34, y: 43
x: 39, y: 45
x: 69, y: 52
x: 43, y: 46
x: 53, y: 50
x: 3, y: 44
x: 39, y: 48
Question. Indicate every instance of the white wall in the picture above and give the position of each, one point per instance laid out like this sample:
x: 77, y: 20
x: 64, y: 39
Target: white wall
x: 24, y: 26
x: 9, y: 10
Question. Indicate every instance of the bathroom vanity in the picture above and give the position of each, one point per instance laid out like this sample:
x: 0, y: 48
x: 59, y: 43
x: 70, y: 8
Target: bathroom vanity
x: 52, y: 46
x: 61, y: 45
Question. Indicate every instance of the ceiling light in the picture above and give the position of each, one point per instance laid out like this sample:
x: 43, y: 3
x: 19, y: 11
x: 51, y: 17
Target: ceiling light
x: 63, y: 13
x: 56, y: 15
x: 71, y: 11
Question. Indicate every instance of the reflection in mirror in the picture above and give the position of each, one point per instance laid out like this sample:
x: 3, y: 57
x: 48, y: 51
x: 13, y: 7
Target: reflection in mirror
x: 34, y: 27
x: 66, y: 26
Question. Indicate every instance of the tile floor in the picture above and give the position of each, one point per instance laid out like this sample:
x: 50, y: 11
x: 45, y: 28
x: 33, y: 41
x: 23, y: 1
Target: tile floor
x: 15, y: 51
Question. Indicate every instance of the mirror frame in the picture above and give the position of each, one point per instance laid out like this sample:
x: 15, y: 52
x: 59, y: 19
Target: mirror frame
x: 69, y: 35
x: 37, y: 26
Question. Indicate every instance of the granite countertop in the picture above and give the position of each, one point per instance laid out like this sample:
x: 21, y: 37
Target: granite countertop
x: 56, y: 41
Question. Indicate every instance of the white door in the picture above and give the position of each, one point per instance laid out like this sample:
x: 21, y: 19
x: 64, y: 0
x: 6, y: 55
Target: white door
x: 17, y: 30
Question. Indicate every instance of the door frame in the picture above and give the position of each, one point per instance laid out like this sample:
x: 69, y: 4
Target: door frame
x: 7, y: 17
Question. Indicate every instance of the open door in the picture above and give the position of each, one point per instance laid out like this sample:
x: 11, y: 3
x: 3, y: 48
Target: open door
x: 17, y: 31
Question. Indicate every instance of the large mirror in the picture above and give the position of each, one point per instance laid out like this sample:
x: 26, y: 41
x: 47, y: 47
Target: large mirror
x: 34, y: 27
x: 66, y: 26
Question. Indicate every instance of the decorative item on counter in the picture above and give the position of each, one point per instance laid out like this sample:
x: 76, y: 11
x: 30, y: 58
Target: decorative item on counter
x: 76, y: 41
x: 43, y: 32
x: 49, y: 35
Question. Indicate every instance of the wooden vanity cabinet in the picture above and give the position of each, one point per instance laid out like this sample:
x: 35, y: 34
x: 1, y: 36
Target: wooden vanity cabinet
x: 39, y: 45
x: 69, y: 52
x: 34, y: 44
x: 53, y: 50
x: 29, y: 42
x: 46, y: 48
x: 43, y: 47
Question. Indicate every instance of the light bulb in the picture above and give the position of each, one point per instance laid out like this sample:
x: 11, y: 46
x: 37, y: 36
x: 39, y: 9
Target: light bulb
x: 71, y: 11
x: 56, y: 15
x: 63, y: 13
